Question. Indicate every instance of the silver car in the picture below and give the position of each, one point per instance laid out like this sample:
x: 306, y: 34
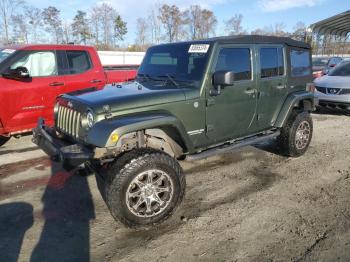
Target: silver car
x: 333, y: 90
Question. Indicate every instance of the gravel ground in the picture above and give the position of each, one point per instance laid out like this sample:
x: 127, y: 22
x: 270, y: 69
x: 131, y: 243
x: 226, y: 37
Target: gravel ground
x: 251, y: 205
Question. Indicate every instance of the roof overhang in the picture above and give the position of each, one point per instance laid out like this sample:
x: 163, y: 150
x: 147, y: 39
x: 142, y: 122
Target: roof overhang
x: 338, y: 25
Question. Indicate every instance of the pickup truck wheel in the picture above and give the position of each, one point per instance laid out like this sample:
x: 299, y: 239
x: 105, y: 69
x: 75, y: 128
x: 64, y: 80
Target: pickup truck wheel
x: 144, y: 187
x: 296, y: 135
x: 4, y: 139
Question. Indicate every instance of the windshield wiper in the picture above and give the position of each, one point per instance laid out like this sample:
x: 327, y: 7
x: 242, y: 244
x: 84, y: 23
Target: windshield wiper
x: 144, y: 76
x: 170, y: 78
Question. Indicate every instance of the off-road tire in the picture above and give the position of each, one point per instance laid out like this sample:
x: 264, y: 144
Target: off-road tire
x: 4, y: 139
x: 287, y: 139
x: 126, y: 168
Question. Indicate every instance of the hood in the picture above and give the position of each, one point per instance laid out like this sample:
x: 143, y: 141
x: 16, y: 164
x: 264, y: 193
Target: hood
x: 129, y: 96
x: 333, y: 81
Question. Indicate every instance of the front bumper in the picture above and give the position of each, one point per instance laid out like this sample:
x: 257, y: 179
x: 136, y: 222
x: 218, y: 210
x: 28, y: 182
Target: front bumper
x: 341, y: 102
x: 70, y: 155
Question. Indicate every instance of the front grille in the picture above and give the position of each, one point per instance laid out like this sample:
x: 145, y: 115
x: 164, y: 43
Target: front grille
x: 333, y: 91
x: 344, y: 92
x: 68, y: 121
x: 321, y: 89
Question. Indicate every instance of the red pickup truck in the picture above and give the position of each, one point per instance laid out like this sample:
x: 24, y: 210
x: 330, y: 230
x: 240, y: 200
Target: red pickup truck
x: 32, y: 76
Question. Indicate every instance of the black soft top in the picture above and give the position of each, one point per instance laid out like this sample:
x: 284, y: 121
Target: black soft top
x: 258, y: 39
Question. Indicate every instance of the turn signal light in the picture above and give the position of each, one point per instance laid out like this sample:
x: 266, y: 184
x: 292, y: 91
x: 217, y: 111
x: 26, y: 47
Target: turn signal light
x: 114, y: 138
x: 310, y: 87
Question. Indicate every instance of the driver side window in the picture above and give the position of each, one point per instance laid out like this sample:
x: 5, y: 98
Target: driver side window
x: 236, y: 60
x: 38, y: 63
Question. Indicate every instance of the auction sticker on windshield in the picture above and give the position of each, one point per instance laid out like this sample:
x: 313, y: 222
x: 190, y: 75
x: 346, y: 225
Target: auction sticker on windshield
x: 202, y: 48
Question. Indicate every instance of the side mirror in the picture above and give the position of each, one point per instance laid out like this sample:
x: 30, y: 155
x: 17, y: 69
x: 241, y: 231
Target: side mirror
x: 19, y: 73
x: 222, y: 79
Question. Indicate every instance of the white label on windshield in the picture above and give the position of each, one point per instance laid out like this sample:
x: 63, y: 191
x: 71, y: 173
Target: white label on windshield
x: 9, y: 51
x: 202, y: 48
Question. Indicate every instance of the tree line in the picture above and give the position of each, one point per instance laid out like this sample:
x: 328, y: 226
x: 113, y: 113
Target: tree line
x: 168, y: 23
x: 21, y: 23
x: 103, y: 27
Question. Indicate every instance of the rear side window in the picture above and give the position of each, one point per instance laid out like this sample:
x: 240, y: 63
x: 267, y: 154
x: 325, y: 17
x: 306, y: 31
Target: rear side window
x: 271, y: 62
x: 300, y: 62
x: 236, y: 60
x: 78, y: 61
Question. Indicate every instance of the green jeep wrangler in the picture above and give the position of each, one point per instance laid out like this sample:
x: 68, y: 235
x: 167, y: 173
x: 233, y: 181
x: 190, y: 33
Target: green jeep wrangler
x: 190, y: 100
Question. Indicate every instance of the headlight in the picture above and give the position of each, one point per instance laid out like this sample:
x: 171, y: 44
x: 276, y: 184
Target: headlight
x: 90, y: 119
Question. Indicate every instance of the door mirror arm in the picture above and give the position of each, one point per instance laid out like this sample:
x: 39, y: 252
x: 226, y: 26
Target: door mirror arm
x: 221, y: 79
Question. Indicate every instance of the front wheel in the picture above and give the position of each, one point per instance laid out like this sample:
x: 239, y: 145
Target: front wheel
x: 144, y: 187
x: 4, y: 139
x: 296, y: 135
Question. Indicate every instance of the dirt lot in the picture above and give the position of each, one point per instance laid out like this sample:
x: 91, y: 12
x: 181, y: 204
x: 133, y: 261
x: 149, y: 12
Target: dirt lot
x: 252, y: 205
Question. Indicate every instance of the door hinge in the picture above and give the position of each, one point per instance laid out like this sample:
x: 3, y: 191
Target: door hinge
x: 210, y: 101
x: 210, y: 128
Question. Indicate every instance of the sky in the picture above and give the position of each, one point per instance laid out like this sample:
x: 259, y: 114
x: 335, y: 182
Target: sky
x: 256, y: 13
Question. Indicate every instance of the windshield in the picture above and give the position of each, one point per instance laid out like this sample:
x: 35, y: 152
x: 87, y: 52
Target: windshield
x: 343, y: 69
x: 319, y: 61
x: 181, y: 64
x: 4, y: 53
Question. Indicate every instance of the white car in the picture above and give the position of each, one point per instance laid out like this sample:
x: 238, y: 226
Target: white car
x: 333, y: 90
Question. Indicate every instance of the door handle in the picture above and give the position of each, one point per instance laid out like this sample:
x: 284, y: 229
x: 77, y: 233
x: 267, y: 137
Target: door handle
x: 250, y: 91
x: 280, y: 86
x: 56, y: 84
x: 93, y: 81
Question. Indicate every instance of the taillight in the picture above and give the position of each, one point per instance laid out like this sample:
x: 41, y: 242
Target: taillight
x: 310, y: 87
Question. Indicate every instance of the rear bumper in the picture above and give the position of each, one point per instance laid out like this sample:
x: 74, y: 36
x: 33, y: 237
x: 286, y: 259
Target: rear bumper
x: 70, y: 155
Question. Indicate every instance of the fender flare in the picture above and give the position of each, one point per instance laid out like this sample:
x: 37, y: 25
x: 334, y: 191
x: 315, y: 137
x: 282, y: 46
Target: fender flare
x: 102, y: 131
x: 306, y: 101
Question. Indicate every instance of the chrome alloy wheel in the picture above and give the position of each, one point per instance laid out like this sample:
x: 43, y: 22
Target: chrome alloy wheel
x: 302, y: 135
x: 149, y: 193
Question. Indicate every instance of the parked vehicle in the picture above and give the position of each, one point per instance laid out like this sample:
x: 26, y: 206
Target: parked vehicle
x: 322, y: 65
x: 332, y: 63
x: 32, y: 76
x: 333, y: 90
x: 190, y: 100
x: 318, y: 65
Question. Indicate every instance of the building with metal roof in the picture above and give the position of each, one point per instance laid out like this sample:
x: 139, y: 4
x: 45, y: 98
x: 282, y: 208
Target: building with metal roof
x: 331, y: 35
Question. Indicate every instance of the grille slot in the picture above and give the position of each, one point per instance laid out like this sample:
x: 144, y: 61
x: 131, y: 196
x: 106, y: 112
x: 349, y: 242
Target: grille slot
x: 321, y: 89
x: 68, y: 121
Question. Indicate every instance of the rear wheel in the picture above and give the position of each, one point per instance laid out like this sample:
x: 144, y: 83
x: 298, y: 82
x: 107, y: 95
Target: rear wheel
x: 296, y: 135
x: 4, y: 139
x: 144, y: 187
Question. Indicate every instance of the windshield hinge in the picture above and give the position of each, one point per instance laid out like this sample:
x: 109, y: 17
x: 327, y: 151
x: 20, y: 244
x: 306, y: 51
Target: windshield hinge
x: 210, y: 128
x: 210, y: 101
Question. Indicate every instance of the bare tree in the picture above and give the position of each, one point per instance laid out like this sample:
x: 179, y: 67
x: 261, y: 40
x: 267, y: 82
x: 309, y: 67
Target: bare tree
x: 193, y: 17
x: 299, y: 31
x: 35, y: 21
x: 233, y: 26
x: 208, y: 25
x: 20, y: 29
x: 67, y: 32
x: 51, y: 17
x: 201, y: 22
x: 278, y: 30
x: 7, y: 10
x: 141, y: 31
x: 172, y: 20
x: 155, y: 23
x: 95, y: 20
